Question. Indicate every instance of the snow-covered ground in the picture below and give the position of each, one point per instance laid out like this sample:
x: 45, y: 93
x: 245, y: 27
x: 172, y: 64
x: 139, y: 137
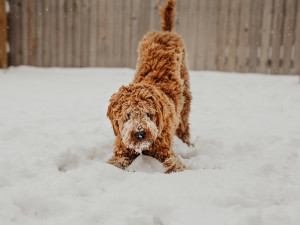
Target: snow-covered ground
x: 55, y: 139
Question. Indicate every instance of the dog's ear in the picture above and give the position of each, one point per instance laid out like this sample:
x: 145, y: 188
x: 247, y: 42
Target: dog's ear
x: 114, y: 109
x: 162, y: 110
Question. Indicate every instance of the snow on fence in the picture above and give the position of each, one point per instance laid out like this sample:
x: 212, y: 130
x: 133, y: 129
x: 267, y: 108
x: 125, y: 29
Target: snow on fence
x: 226, y: 35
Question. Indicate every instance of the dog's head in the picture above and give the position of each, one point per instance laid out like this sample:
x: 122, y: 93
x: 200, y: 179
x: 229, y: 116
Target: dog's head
x: 137, y: 114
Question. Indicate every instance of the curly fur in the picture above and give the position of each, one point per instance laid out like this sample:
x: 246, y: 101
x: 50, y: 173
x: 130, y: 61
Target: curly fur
x: 157, y: 102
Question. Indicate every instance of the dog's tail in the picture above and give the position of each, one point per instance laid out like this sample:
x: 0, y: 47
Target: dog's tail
x: 167, y: 13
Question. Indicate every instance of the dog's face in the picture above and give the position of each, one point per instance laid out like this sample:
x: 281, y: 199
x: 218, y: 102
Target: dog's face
x: 136, y: 115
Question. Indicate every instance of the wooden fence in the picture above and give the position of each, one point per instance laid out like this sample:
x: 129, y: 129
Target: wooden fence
x: 225, y: 35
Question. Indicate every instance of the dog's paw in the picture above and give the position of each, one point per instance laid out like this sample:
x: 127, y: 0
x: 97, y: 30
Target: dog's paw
x: 173, y: 164
x: 120, y: 162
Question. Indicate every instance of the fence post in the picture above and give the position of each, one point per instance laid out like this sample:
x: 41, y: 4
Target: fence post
x: 3, y: 35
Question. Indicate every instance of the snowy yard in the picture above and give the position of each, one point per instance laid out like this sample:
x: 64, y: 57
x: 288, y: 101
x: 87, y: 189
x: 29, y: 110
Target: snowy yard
x: 55, y: 139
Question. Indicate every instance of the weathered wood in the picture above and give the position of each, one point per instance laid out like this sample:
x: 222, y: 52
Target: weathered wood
x: 277, y: 35
x: 211, y: 52
x: 297, y: 43
x: 102, y: 50
x: 226, y: 35
x: 134, y: 32
x: 39, y: 33
x: 254, y: 32
x: 93, y: 33
x: 126, y: 31
x: 61, y: 32
x: 288, y: 35
x: 3, y: 35
x: 31, y: 33
x: 232, y: 39
x: 69, y: 33
x: 77, y: 34
x: 24, y: 31
x: 46, y: 17
x: 53, y: 44
x: 266, y: 36
x: 243, y: 37
x: 222, y: 35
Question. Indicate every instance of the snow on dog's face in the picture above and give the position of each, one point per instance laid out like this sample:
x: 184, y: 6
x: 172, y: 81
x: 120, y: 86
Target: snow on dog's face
x: 136, y: 115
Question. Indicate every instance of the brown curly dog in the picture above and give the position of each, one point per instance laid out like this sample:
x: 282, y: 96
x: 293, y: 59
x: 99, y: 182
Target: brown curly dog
x: 147, y: 114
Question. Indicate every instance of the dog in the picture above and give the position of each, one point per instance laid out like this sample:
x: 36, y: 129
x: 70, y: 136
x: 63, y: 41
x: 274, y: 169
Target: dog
x: 146, y: 114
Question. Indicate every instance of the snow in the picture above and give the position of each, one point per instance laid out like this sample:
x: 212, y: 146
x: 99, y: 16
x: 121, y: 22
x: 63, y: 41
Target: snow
x: 55, y: 139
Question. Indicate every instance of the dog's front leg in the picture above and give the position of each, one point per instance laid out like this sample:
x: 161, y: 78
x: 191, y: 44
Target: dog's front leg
x: 164, y: 153
x: 122, y: 157
x: 173, y: 164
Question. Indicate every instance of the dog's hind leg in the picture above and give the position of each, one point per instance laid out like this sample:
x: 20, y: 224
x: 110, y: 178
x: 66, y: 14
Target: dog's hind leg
x: 183, y: 129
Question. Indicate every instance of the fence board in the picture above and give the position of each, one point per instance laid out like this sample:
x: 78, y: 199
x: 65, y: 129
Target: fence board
x: 77, y: 15
x: 93, y: 33
x: 3, y: 35
x: 53, y: 33
x: 211, y: 52
x: 297, y: 42
x: 288, y: 35
x: 266, y: 36
x: 24, y: 31
x: 243, y: 37
x: 222, y: 34
x: 254, y: 34
x: 102, y: 50
x: 85, y: 32
x: 39, y: 33
x: 68, y: 42
x: 61, y: 32
x: 126, y: 31
x: 277, y: 35
x: 46, y: 16
x: 232, y: 40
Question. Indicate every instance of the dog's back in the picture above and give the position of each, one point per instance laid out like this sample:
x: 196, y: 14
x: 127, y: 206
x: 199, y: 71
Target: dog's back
x: 161, y: 57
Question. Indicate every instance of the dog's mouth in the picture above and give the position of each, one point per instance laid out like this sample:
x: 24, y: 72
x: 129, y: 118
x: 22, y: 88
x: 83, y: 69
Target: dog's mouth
x: 141, y: 146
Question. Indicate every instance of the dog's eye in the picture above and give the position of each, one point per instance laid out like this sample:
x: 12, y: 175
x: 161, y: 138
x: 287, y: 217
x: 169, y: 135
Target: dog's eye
x: 149, y: 115
x: 128, y: 115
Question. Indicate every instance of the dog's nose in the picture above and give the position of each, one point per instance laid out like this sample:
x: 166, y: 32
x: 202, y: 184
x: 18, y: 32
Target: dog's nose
x: 140, y: 135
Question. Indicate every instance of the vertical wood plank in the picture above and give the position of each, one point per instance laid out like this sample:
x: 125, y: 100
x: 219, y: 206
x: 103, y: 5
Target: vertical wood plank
x: 191, y: 37
x: 211, y: 55
x: 266, y: 36
x: 39, y: 33
x: 11, y: 33
x: 24, y: 22
x: 183, y: 28
x: 297, y: 42
x: 222, y: 34
x: 243, y: 36
x: 61, y: 8
x: 277, y: 35
x: 254, y: 34
x: 77, y: 33
x: 232, y: 40
x: 288, y: 35
x: 102, y: 50
x: 3, y: 35
x: 69, y: 34
x: 154, y: 14
x: 46, y: 33
x: 53, y: 12
x: 126, y: 31
x: 110, y: 32
x: 31, y: 33
x: 93, y: 33
x: 134, y: 33
x: 116, y: 36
